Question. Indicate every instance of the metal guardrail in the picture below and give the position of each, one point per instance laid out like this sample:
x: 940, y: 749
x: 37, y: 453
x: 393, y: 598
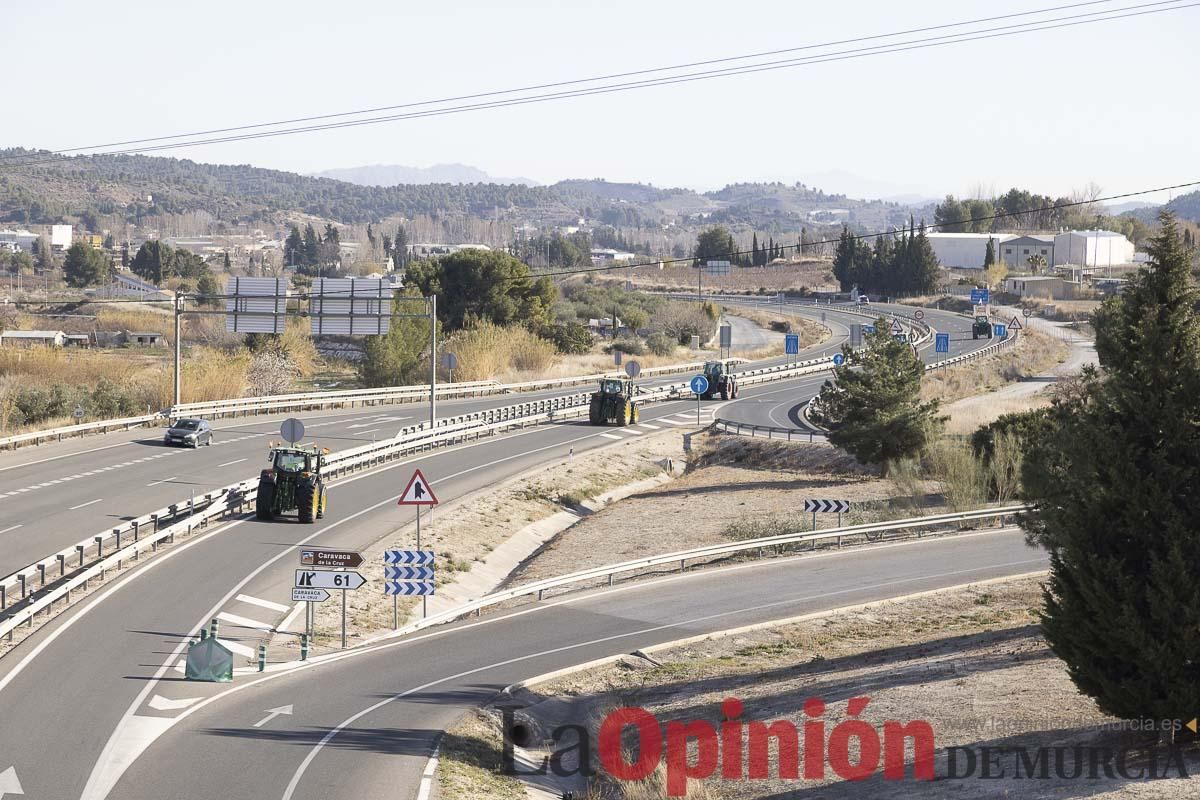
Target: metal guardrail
x: 768, y: 431
x: 682, y: 557
x: 108, y: 549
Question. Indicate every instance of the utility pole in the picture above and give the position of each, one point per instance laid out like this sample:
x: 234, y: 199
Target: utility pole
x: 178, y: 312
x: 432, y: 362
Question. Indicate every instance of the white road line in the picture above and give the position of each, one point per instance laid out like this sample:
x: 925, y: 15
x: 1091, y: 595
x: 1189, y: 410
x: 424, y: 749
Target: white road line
x: 672, y: 421
x: 290, y: 618
x: 240, y: 649
x: 373, y: 430
x: 244, y: 622
x: 633, y: 431
x: 88, y: 503
x: 258, y: 601
x: 648, y: 425
x: 231, y: 463
x: 12, y: 528
x: 164, y: 480
x: 428, y: 774
x: 610, y: 436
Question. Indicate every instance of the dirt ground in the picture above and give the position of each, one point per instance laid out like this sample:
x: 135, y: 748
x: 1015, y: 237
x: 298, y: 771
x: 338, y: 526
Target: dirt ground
x: 968, y: 661
x: 1033, y: 354
x: 809, y: 274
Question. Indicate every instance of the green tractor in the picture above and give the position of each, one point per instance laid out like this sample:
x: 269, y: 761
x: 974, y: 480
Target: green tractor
x: 613, y: 403
x: 982, y: 326
x: 720, y: 381
x: 292, y: 482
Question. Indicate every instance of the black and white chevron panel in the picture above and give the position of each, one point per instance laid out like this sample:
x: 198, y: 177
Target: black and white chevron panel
x: 825, y: 506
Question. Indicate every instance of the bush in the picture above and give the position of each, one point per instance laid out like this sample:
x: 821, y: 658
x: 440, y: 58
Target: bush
x: 571, y: 338
x: 630, y: 347
x: 660, y: 344
x: 780, y: 326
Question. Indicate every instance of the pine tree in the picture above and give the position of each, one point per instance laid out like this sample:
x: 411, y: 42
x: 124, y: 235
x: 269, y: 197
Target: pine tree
x: 1115, y: 483
x: 989, y: 257
x: 843, y: 260
x: 754, y: 251
x: 293, y: 248
x: 873, y: 406
x: 312, y: 247
x: 227, y: 264
x: 400, y: 247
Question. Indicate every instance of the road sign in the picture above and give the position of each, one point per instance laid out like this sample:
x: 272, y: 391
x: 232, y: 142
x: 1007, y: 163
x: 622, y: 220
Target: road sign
x: 726, y: 337
x: 980, y: 297
x: 900, y: 337
x: 303, y: 595
x: 292, y: 430
x: 617, y: 357
x: 856, y: 334
x: 1015, y: 324
x: 838, y: 359
x: 450, y: 361
x: 865, y: 328
x: 791, y: 344
x: 408, y: 588
x: 822, y: 316
x: 418, y: 492
x: 699, y: 384
x: 896, y: 328
x: 1028, y: 313
x: 919, y: 314
x: 78, y: 412
x: 329, y: 558
x: 827, y: 506
x: 328, y: 579
x: 408, y: 573
x: 633, y: 369
x: 408, y: 557
x: 1001, y: 331
x: 942, y: 344
x: 717, y: 267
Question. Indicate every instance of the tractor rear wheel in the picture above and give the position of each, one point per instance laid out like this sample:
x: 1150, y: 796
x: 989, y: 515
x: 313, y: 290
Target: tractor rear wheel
x: 626, y: 413
x: 265, y: 500
x: 637, y: 415
x: 596, y: 412
x: 321, y: 506
x: 308, y: 501
x: 724, y: 391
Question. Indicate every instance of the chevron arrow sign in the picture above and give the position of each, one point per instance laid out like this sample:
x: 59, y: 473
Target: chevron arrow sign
x: 408, y: 588
x: 408, y: 557
x: 827, y: 506
x: 408, y: 573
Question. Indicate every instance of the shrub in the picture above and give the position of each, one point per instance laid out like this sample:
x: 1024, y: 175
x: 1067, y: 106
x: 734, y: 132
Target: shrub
x: 660, y: 344
x: 780, y: 326
x: 571, y: 338
x: 628, y: 346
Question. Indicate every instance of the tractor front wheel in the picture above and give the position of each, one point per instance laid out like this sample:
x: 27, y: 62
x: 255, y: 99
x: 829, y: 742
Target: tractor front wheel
x: 308, y: 501
x: 595, y: 412
x: 724, y: 391
x: 636, y: 415
x: 321, y: 506
x: 265, y: 500
x: 626, y: 413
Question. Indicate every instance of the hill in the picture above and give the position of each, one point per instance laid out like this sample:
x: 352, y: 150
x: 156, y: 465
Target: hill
x: 393, y: 174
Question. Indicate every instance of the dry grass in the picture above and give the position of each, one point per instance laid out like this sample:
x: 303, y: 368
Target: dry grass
x: 471, y: 759
x: 808, y: 274
x: 1034, y: 354
x: 109, y: 319
x: 486, y: 351
x: 970, y: 419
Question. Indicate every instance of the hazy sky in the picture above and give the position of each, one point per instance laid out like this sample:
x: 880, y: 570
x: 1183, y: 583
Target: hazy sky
x: 1115, y: 103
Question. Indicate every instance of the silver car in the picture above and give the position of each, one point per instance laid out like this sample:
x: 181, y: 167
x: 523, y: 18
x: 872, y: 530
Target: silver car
x: 189, y: 433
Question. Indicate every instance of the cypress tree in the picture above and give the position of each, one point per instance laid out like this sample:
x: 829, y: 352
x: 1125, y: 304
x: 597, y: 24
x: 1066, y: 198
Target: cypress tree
x: 754, y: 251
x: 1116, y: 481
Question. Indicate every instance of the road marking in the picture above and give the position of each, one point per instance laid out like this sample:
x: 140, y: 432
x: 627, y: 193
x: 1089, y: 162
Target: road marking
x: 230, y: 463
x: 290, y: 618
x: 648, y: 425
x: 81, y: 505
x: 160, y: 703
x: 610, y: 436
x: 164, y: 480
x: 633, y: 431
x: 670, y: 421
x: 258, y: 601
x: 239, y: 648
x: 373, y: 430
x: 13, y: 528
x: 428, y: 773
x: 272, y: 713
x: 244, y: 622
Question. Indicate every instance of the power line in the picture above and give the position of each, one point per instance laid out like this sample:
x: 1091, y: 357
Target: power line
x: 576, y: 81
x: 894, y: 47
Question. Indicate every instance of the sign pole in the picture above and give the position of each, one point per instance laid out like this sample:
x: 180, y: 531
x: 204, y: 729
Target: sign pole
x: 697, y: 409
x: 424, y: 600
x: 343, y: 619
x: 432, y: 360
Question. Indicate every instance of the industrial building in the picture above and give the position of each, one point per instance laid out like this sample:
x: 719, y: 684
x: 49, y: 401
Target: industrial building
x: 1092, y: 249
x: 1079, y: 248
x: 1017, y: 251
x: 965, y: 250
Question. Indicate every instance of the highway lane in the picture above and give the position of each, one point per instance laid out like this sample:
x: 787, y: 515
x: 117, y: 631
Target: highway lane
x: 363, y: 727
x: 65, y: 493
x: 100, y: 654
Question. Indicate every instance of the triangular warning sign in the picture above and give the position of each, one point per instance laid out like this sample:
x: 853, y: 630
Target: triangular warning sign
x: 896, y: 326
x: 1015, y: 325
x: 418, y: 492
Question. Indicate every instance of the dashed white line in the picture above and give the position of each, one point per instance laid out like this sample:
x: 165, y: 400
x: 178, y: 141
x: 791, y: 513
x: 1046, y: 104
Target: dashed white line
x: 610, y: 436
x: 88, y: 503
x: 648, y: 425
x: 634, y: 431
x: 12, y: 528
x: 258, y: 601
x: 230, y: 463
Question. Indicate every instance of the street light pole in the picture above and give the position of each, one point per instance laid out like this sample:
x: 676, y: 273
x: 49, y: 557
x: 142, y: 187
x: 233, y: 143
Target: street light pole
x: 432, y: 360
x: 178, y: 312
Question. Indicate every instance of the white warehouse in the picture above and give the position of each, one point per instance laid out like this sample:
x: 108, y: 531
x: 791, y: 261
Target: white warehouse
x: 1081, y: 248
x: 965, y: 250
x: 1092, y: 249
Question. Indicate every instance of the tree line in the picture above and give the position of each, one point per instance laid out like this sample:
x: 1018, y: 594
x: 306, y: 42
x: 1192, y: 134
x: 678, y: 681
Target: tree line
x: 1019, y: 209
x: 902, y: 263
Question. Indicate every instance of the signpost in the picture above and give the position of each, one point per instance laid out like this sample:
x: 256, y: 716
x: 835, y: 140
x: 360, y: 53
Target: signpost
x: 450, y: 362
x: 302, y: 595
x: 79, y: 412
x: 312, y: 582
x: 330, y: 558
x: 919, y: 314
x: 420, y: 493
x: 838, y: 359
x: 791, y: 344
x: 942, y: 344
x: 980, y: 297
x: 826, y: 507
x: 856, y: 334
x: 726, y: 340
x: 1015, y: 324
x: 1000, y: 330
x: 633, y: 369
x: 408, y: 573
x: 1028, y: 313
x: 896, y: 328
x: 292, y: 430
x: 699, y: 386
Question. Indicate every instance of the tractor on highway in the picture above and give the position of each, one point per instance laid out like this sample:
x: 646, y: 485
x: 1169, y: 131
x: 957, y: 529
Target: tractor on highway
x: 720, y: 381
x: 292, y: 483
x: 613, y: 403
x: 982, y: 326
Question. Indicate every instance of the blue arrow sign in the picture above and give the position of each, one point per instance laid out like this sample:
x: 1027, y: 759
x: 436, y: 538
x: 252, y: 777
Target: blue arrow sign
x: 408, y: 588
x: 791, y: 344
x: 1001, y: 331
x: 943, y: 343
x: 699, y: 384
x: 838, y: 359
x: 408, y: 557
x: 408, y: 573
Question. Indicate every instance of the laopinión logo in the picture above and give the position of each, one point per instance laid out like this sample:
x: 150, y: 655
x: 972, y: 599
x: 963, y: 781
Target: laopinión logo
x: 633, y: 743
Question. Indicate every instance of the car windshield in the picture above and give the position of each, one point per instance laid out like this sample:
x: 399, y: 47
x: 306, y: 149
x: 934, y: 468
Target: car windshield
x: 289, y: 462
x: 187, y: 425
x: 612, y: 387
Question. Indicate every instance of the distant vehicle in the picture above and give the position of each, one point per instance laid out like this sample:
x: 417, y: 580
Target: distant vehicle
x: 189, y: 433
x: 863, y: 300
x: 292, y: 483
x: 720, y: 381
x: 613, y: 403
x: 982, y: 326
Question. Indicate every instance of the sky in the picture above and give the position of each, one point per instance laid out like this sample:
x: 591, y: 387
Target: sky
x: 1113, y: 103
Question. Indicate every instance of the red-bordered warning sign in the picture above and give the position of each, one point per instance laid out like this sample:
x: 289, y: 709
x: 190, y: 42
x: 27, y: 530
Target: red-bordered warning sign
x: 418, y: 492
x: 1015, y: 324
